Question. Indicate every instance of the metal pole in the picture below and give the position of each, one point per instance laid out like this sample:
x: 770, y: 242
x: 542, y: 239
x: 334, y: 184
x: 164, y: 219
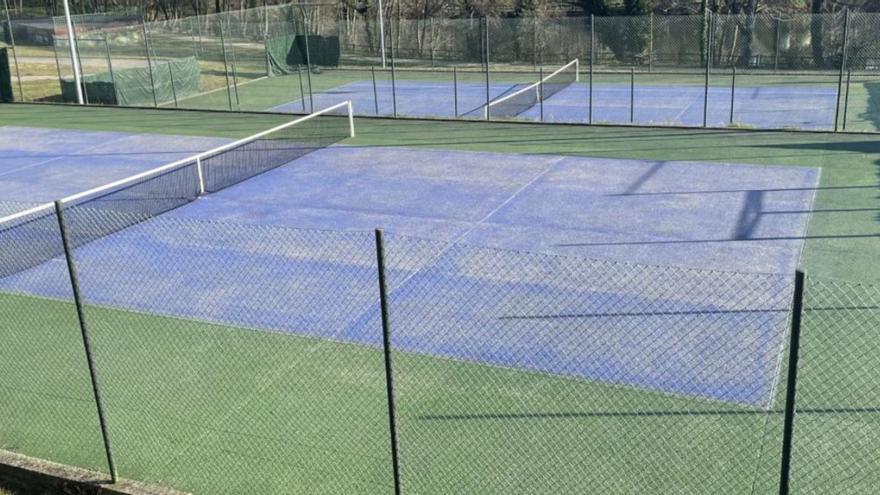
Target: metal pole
x: 842, y: 65
x: 389, y: 369
x: 651, y: 42
x: 455, y: 89
x: 732, y: 92
x: 225, y: 65
x: 375, y: 91
x: 71, y: 41
x: 57, y: 60
x: 150, y: 62
x: 235, y: 77
x: 632, y: 94
x: 433, y: 63
x: 173, y: 89
x: 382, y: 33
x: 15, y: 50
x: 486, y: 58
x: 708, y: 66
x: 592, y: 62
x: 84, y: 88
x: 776, y: 46
x: 110, y: 67
x: 87, y: 342
x: 393, y: 77
x: 846, y: 97
x: 302, y: 90
x: 541, y: 90
x: 308, y: 60
x: 791, y: 386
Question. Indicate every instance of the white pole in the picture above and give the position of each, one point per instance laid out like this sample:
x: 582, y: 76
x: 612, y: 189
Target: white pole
x: 381, y: 32
x: 350, y: 119
x: 71, y: 42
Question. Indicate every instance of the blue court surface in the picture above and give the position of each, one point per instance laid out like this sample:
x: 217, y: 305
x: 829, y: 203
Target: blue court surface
x: 722, y: 332
x: 41, y: 165
x: 773, y: 107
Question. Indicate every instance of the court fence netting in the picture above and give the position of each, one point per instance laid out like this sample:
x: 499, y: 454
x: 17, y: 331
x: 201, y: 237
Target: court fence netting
x: 263, y: 58
x: 212, y: 357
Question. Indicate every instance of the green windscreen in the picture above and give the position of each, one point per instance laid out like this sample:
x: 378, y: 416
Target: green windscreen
x: 5, y: 76
x: 171, y: 79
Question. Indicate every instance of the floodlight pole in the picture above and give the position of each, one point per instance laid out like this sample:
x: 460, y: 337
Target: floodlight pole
x: 382, y: 32
x: 71, y: 38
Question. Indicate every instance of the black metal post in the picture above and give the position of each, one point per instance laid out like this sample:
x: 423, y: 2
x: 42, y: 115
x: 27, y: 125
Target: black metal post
x: 776, y: 46
x: 109, y: 62
x: 235, y: 77
x: 85, y: 88
x: 708, y: 66
x: 15, y: 50
x: 386, y: 347
x: 302, y: 90
x: 541, y: 90
x: 842, y: 65
x: 846, y: 97
x: 308, y: 60
x: 732, y: 92
x: 632, y: 94
x: 650, y: 41
x: 150, y: 63
x: 488, y: 78
x: 455, y: 89
x: 791, y: 386
x: 87, y: 342
x: 57, y: 60
x: 592, y: 62
x: 171, y: 76
x: 393, y: 71
x: 375, y: 90
x: 225, y: 66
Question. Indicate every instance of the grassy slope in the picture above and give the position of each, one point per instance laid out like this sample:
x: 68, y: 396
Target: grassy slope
x: 200, y: 406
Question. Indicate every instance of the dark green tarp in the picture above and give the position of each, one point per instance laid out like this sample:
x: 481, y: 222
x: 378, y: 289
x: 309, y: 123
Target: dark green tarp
x: 134, y: 87
x: 5, y: 76
x: 285, y: 53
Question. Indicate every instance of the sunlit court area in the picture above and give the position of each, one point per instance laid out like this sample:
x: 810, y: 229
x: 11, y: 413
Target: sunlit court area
x: 544, y: 247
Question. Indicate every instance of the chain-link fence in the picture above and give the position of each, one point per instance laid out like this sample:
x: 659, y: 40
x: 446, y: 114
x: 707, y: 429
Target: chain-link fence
x: 230, y: 358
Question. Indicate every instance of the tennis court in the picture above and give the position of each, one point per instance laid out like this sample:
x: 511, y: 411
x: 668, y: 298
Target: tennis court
x: 640, y: 302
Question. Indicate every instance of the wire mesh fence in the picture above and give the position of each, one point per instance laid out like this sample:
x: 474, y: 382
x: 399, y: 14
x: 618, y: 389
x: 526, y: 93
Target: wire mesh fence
x: 233, y: 358
x: 799, y: 71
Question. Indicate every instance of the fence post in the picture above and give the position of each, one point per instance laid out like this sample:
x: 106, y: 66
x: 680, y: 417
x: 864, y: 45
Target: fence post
x: 541, y: 90
x: 732, y: 92
x: 386, y: 347
x: 375, y: 90
x: 234, y: 78
x: 842, y: 65
x: 82, y: 77
x: 846, y: 97
x: 302, y: 91
x: 150, y: 62
x: 592, y: 62
x: 393, y: 72
x: 455, y: 89
x: 225, y: 65
x: 632, y: 94
x: 791, y: 386
x: 110, y: 65
x: 708, y: 66
x: 651, y: 42
x: 57, y: 60
x: 87, y: 342
x: 15, y: 50
x: 173, y: 89
x: 308, y: 59
x: 486, y: 59
x: 776, y: 46
x: 74, y: 61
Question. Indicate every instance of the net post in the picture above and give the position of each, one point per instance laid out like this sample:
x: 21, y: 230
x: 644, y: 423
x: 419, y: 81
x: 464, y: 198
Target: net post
x: 225, y: 65
x: 592, y: 63
x: 201, y: 173
x: 709, y: 19
x: 842, y: 66
x: 350, y: 108
x: 150, y: 63
x: 791, y: 383
x: 375, y: 90
x: 846, y: 98
x: 732, y: 92
x: 386, y: 348
x: 86, y: 338
x: 455, y: 90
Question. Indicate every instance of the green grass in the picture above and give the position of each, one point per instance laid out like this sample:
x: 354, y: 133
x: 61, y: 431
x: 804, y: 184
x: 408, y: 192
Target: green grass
x: 216, y: 409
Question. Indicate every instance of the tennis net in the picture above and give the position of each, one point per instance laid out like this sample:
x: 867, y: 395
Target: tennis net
x: 520, y: 101
x: 31, y: 237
